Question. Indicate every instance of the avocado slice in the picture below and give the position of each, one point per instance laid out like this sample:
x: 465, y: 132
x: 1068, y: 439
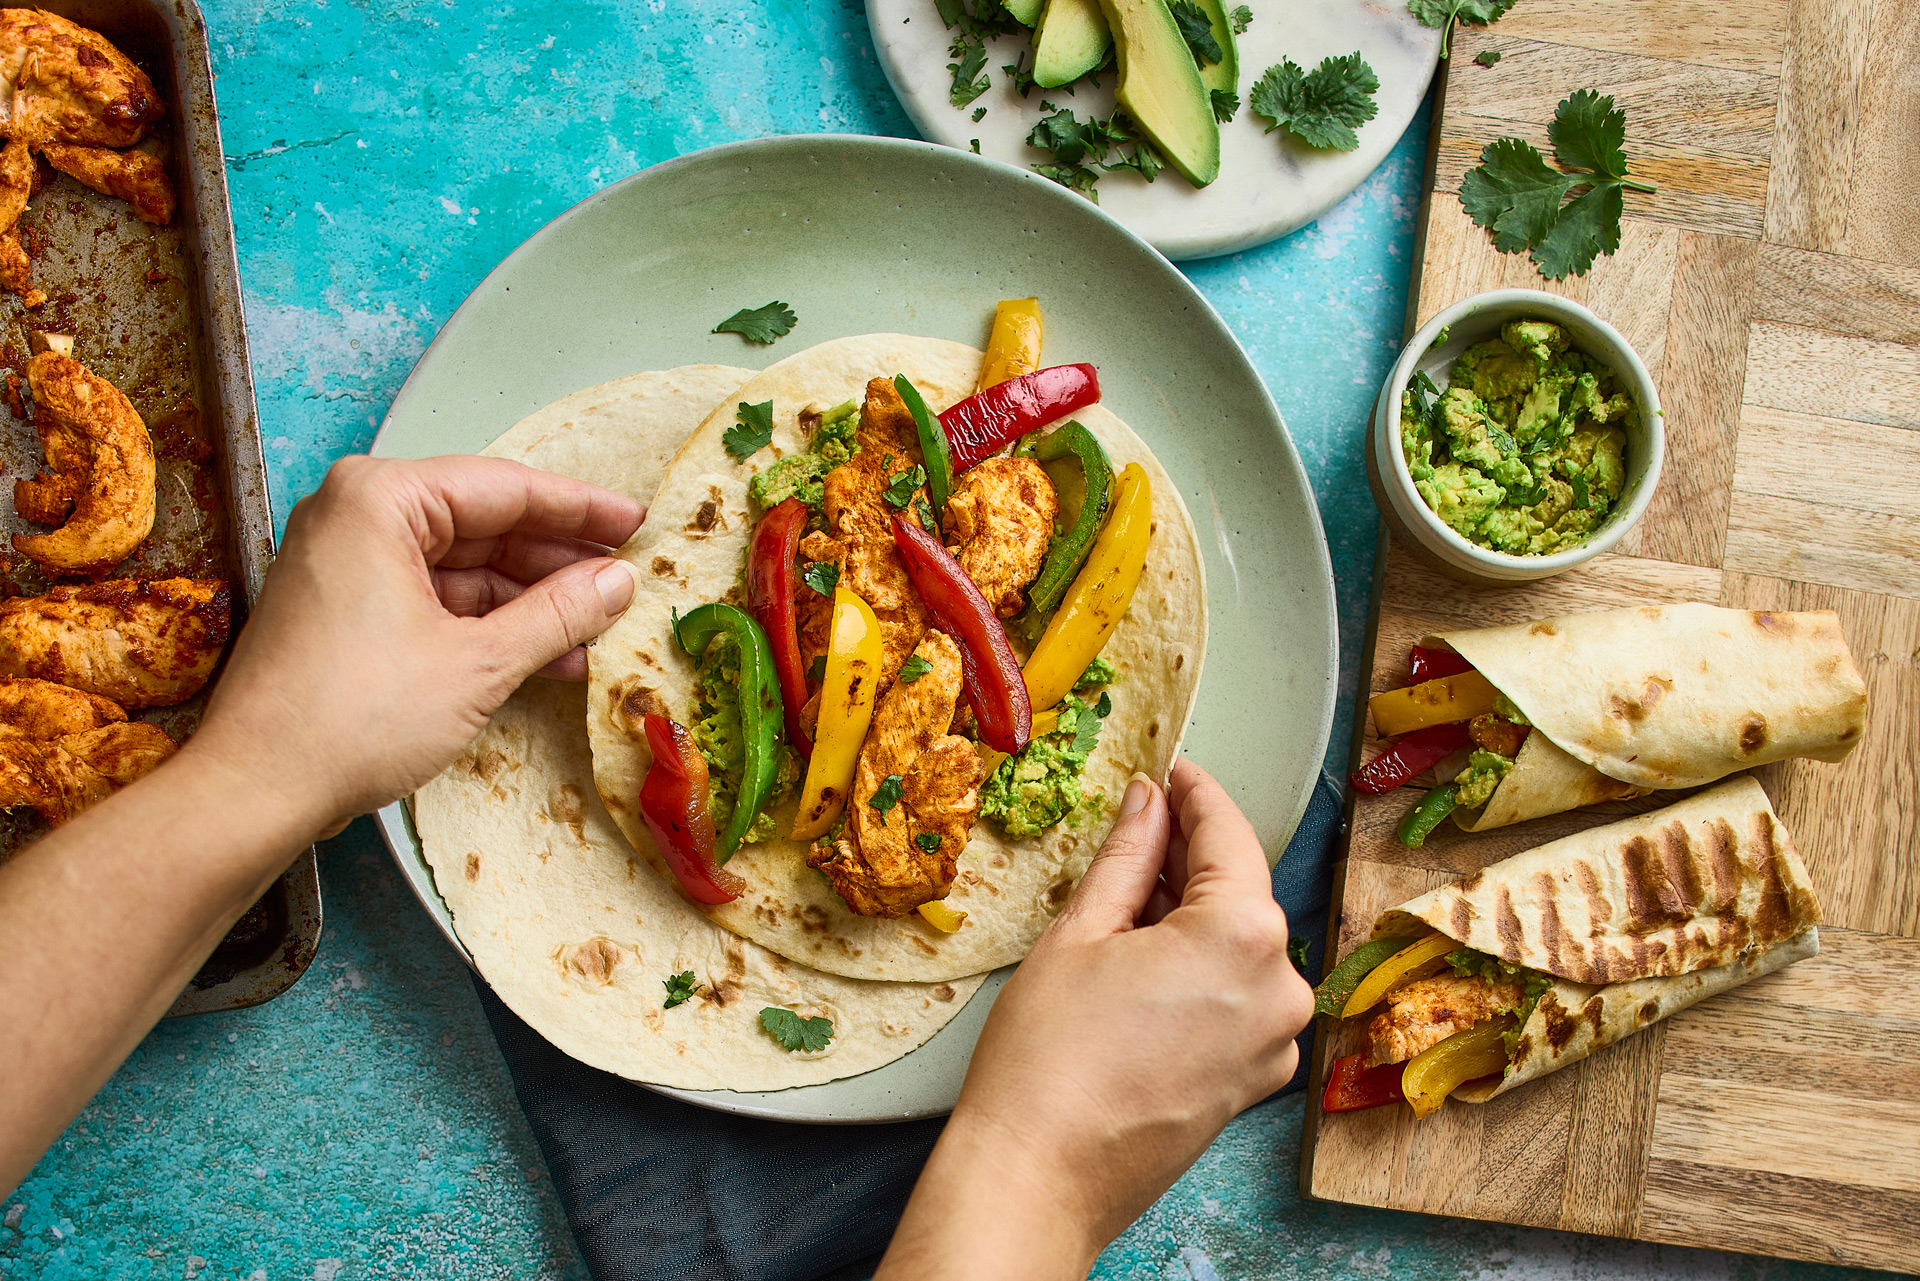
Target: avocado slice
x: 1072, y: 40
x: 1161, y: 88
x: 1224, y: 74
x: 1026, y: 12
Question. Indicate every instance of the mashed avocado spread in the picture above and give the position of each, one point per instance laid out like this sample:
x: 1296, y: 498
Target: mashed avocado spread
x: 717, y: 734
x: 1525, y: 451
x: 1483, y: 773
x: 800, y: 475
x: 1041, y: 785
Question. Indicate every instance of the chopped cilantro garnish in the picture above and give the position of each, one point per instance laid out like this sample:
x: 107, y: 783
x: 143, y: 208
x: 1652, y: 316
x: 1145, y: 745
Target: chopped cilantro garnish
x: 1320, y: 107
x: 887, y: 795
x: 1197, y: 31
x: 1241, y: 17
x: 1514, y: 193
x: 679, y: 989
x: 1086, y: 733
x: 823, y: 576
x: 925, y: 513
x: 1487, y: 57
x: 1226, y: 104
x: 914, y: 668
x: 760, y: 324
x: 1104, y: 708
x: 928, y: 841
x: 795, y: 1033
x: 1082, y: 149
x: 979, y: 114
x: 1442, y: 14
x: 901, y: 484
x: 751, y: 433
x: 969, y: 71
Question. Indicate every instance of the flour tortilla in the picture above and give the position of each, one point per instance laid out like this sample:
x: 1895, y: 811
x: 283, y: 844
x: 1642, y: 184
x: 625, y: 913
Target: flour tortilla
x: 693, y: 550
x: 1629, y: 701
x: 573, y: 934
x: 1635, y: 920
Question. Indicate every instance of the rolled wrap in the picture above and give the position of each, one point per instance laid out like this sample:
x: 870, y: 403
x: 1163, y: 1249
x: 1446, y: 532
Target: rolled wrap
x: 1628, y: 701
x: 1635, y: 921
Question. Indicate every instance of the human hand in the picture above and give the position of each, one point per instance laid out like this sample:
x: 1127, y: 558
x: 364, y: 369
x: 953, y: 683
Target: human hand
x: 408, y: 600
x: 1120, y: 1049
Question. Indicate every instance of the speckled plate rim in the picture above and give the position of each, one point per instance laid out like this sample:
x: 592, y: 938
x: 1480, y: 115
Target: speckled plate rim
x: 926, y: 1082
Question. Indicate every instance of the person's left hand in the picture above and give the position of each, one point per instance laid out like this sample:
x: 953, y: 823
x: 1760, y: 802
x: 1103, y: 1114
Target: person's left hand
x: 409, y: 599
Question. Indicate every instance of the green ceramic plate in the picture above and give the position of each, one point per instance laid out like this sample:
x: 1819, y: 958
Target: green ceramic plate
x: 864, y: 235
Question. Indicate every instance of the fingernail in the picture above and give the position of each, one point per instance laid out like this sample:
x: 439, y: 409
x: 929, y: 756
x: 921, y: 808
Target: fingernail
x: 1138, y: 790
x: 615, y: 582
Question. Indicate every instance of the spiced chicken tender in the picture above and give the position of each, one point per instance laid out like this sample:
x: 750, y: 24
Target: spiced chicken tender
x: 1422, y: 1014
x: 888, y: 862
x: 62, y: 749
x: 61, y: 82
x: 99, y: 483
x: 141, y: 644
x: 999, y: 522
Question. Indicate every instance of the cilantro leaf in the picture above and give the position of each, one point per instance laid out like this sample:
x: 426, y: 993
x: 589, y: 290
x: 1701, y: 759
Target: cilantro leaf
x: 760, y: 324
x: 817, y: 669
x: 752, y: 432
x: 1197, y: 31
x: 900, y: 485
x: 822, y: 575
x: 1514, y: 193
x: 1143, y: 160
x: 1241, y: 17
x: 1320, y: 107
x: 1226, y: 103
x: 679, y: 989
x: 925, y: 515
x: 969, y: 70
x: 887, y: 795
x: 1487, y: 57
x: 795, y: 1033
x: 1086, y: 734
x: 914, y: 668
x: 1104, y: 708
x: 979, y: 114
x: 1082, y: 148
x: 928, y: 841
x: 1441, y: 14
x: 1582, y: 493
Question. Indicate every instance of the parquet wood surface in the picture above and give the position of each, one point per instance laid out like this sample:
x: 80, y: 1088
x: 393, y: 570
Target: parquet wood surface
x: 1772, y: 285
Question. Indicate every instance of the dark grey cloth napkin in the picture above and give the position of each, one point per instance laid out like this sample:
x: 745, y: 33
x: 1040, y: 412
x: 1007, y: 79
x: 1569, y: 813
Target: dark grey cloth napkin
x: 660, y: 1190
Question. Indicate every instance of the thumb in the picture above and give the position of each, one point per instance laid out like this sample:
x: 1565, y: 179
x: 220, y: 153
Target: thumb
x: 566, y: 608
x: 1114, y: 891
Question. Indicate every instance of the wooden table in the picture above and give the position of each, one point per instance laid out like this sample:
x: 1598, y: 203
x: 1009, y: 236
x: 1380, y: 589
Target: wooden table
x: 1772, y: 285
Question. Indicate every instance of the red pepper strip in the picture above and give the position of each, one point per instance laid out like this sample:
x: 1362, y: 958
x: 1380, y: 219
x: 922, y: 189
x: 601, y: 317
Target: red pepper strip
x: 673, y: 800
x: 770, y: 587
x: 1351, y: 1087
x: 1432, y: 664
x: 995, y: 687
x: 987, y: 421
x: 1408, y: 757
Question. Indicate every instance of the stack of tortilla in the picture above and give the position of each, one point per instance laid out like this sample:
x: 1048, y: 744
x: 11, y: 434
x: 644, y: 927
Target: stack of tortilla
x: 551, y: 876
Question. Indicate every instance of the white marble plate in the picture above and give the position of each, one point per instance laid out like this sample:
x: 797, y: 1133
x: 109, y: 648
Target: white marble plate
x: 1269, y: 184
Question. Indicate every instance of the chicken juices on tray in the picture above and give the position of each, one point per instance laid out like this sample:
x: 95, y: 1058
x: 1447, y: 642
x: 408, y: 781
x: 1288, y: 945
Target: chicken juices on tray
x: 879, y: 520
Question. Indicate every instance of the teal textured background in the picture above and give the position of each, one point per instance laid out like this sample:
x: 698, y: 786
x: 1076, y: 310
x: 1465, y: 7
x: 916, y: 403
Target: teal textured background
x: 383, y: 157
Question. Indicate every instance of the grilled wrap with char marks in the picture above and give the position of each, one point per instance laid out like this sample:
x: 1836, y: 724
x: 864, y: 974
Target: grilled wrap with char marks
x: 1628, y: 701
x: 1633, y: 921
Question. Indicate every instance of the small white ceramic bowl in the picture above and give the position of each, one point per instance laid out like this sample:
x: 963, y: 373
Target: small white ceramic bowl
x: 1475, y: 320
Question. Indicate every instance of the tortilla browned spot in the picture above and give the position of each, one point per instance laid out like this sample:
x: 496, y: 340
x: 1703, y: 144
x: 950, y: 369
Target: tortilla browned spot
x: 473, y: 867
x: 1753, y: 734
x: 594, y: 960
x: 1560, y: 1028
x: 662, y: 566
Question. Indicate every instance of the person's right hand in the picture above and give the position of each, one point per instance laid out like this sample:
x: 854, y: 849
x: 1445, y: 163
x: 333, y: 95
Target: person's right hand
x: 1119, y: 1050
x: 408, y: 600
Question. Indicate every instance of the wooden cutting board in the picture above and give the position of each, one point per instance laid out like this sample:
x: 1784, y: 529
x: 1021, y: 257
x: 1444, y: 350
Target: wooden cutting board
x: 1772, y: 285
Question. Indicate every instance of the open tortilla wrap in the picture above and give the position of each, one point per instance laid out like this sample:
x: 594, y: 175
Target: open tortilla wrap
x: 1635, y: 920
x: 563, y: 923
x: 1628, y: 701
x: 693, y: 549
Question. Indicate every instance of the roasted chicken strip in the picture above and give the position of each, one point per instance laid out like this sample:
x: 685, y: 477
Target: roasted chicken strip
x: 1424, y: 1013
x: 141, y: 644
x: 888, y: 862
x: 59, y: 777
x: 42, y: 709
x: 860, y: 524
x: 100, y: 469
x: 133, y: 176
x: 16, y: 182
x: 60, y: 82
x: 999, y: 521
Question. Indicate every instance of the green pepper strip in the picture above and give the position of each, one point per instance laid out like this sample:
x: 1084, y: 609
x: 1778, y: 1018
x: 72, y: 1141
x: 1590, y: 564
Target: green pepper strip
x: 760, y: 710
x: 1082, y: 476
x: 1336, y: 989
x: 934, y: 454
x: 1427, y: 815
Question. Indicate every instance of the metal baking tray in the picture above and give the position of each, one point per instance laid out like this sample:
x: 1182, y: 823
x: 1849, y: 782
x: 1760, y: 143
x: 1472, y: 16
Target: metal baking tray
x: 156, y: 311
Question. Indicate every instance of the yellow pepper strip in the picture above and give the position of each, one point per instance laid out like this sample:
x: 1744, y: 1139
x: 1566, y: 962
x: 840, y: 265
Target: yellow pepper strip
x: 1044, y: 723
x: 846, y: 709
x: 1435, y: 702
x: 941, y: 917
x: 1099, y: 596
x: 1014, y: 347
x: 1415, y: 961
x: 1435, y: 1073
